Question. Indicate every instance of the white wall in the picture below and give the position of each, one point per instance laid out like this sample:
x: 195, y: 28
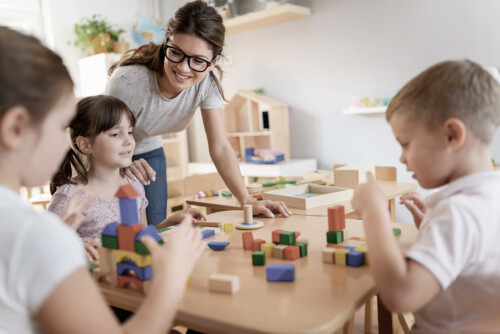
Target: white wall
x: 63, y: 14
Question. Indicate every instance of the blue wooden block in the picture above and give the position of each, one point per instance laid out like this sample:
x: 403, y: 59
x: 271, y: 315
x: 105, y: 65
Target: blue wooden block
x: 280, y: 273
x: 351, y: 248
x: 355, y: 259
x: 218, y: 245
x: 207, y: 233
x: 111, y: 230
x: 151, y: 231
x: 129, y: 211
x: 142, y: 274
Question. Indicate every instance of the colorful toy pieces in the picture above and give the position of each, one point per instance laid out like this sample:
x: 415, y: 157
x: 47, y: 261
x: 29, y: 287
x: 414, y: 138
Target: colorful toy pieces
x: 124, y: 257
x: 263, y: 156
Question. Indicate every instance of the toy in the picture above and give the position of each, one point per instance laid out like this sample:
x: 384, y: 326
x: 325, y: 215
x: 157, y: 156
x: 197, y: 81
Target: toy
x: 249, y: 223
x: 268, y: 248
x: 350, y: 176
x: 278, y: 251
x: 263, y: 156
x: 206, y: 223
x: 309, y: 196
x: 226, y: 193
x: 329, y: 255
x: 257, y: 244
x: 224, y: 283
x: 218, y: 245
x: 228, y: 227
x: 207, y: 193
x: 258, y: 258
x: 280, y: 273
x: 291, y: 253
x: 247, y: 240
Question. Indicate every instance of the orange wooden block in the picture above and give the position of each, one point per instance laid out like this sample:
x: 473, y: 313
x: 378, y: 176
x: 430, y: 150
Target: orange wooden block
x: 297, y: 234
x: 127, y: 191
x: 291, y: 253
x: 123, y: 281
x: 337, y: 246
x: 276, y: 235
x: 336, y: 218
x: 257, y: 243
x: 127, y: 235
x: 247, y: 240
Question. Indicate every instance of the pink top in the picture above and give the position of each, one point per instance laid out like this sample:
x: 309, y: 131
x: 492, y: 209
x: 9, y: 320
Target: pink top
x: 100, y: 213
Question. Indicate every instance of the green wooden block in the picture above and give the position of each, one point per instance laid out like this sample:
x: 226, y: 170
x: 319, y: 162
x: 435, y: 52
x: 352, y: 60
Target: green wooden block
x: 287, y: 238
x: 92, y: 266
x: 227, y: 194
x: 164, y: 229
x: 109, y: 242
x: 141, y: 249
x: 259, y: 258
x: 303, y: 248
x: 397, y: 231
x: 334, y: 237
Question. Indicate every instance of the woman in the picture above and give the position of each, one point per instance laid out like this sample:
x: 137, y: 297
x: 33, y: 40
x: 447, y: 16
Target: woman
x: 164, y: 85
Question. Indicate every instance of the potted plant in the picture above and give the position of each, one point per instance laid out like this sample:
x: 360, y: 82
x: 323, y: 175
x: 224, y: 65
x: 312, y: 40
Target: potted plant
x: 95, y: 34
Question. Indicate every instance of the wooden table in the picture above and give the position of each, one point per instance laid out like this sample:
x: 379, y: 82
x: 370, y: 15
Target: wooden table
x: 322, y: 298
x: 392, y: 190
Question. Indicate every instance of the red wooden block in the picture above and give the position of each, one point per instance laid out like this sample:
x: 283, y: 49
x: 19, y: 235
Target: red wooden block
x: 247, y: 240
x: 336, y: 218
x: 354, y: 238
x: 127, y: 235
x: 127, y: 191
x: 257, y: 243
x: 276, y: 235
x: 297, y: 234
x: 291, y: 253
x: 337, y: 246
x: 122, y: 281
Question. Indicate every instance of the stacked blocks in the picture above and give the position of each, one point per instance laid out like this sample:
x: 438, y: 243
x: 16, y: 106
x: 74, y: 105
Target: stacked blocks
x: 283, y: 247
x: 128, y: 255
x: 336, y: 225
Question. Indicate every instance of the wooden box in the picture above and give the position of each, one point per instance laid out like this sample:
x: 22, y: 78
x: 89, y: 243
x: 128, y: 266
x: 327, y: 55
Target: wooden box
x: 350, y: 176
x: 298, y: 196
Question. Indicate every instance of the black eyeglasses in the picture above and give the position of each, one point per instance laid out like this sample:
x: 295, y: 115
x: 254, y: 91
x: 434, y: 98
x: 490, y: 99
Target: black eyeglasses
x: 195, y: 63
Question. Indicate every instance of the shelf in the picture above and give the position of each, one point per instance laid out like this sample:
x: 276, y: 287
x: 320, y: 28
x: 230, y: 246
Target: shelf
x: 248, y: 134
x: 264, y: 18
x: 360, y: 111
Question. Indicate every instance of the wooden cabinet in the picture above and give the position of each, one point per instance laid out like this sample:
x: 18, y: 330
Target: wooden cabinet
x: 176, y: 154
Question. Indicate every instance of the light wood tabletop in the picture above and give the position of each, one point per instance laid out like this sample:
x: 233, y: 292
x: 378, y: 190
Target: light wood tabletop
x: 392, y: 190
x: 320, y: 300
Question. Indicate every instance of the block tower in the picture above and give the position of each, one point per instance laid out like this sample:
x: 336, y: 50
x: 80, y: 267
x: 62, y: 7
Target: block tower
x: 123, y: 255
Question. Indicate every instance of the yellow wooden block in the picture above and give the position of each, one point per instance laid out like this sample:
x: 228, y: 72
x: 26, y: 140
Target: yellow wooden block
x: 362, y: 239
x: 228, y: 227
x: 140, y: 260
x: 341, y: 256
x: 363, y: 250
x: 268, y: 248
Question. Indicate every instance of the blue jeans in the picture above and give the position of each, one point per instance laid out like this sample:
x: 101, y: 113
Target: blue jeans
x: 156, y: 192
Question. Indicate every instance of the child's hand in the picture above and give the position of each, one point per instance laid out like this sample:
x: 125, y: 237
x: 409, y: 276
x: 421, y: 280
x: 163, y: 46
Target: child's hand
x: 368, y: 196
x: 90, y: 250
x: 174, y: 261
x: 141, y: 171
x: 196, y: 214
x: 192, y: 213
x: 72, y: 213
x: 415, y: 203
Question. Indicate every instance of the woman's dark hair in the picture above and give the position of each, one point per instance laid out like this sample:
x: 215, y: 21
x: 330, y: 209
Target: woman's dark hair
x: 194, y: 18
x: 31, y: 75
x: 94, y: 114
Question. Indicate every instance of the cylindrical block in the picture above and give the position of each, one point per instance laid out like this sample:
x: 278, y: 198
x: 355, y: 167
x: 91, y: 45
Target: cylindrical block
x: 336, y: 218
x: 248, y: 214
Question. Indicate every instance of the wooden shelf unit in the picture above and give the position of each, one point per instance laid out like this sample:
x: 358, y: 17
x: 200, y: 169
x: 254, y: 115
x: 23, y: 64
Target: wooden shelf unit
x: 258, y: 121
x: 176, y: 154
x: 264, y: 18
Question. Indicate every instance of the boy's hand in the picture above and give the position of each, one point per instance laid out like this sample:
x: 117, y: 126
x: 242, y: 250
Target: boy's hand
x: 415, y: 203
x: 174, y: 260
x: 267, y: 207
x: 196, y: 214
x: 141, y: 171
x: 72, y: 213
x: 368, y: 196
x: 90, y: 250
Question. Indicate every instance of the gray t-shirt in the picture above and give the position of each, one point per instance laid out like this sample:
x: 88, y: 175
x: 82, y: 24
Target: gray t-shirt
x: 137, y: 86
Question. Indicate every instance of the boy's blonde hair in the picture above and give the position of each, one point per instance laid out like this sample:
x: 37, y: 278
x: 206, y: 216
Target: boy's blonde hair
x: 460, y: 89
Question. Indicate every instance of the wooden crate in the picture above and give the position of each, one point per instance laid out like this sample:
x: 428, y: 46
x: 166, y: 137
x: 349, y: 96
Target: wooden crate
x: 292, y: 196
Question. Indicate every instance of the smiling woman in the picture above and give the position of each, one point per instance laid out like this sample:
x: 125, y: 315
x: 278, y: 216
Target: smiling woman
x: 163, y: 85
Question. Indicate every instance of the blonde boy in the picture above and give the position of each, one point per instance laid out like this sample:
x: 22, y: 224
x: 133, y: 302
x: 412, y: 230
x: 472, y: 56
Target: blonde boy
x: 444, y: 119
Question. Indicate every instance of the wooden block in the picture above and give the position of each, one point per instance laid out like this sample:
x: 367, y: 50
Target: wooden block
x: 329, y: 255
x: 303, y: 240
x: 224, y: 283
x: 127, y: 235
x: 110, y: 230
x: 276, y: 235
x: 247, y: 213
x: 303, y: 248
x: 268, y: 248
x: 363, y: 250
x: 278, y: 251
x: 341, y: 256
x: 139, y: 259
x: 207, y: 223
x: 355, y: 259
x: 129, y: 211
x: 125, y: 281
x: 109, y: 242
x: 127, y: 191
x: 99, y: 276
x: 336, y: 218
x: 143, y: 274
x: 335, y: 246
x: 259, y: 258
x: 334, y: 237
x: 287, y: 238
x: 291, y: 253
x: 350, y: 176
x: 397, y: 231
x: 257, y: 244
x: 106, y: 260
x: 228, y: 227
x: 247, y: 240
x: 280, y: 273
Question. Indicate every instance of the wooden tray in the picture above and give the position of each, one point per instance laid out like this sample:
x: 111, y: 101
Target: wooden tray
x: 298, y: 196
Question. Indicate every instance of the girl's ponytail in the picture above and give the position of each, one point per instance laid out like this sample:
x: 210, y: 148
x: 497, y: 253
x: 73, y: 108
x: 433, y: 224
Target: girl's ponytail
x: 65, y: 174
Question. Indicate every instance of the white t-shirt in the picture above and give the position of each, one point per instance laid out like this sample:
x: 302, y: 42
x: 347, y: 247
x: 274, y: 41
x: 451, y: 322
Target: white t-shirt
x: 37, y: 252
x: 155, y: 114
x: 459, y: 243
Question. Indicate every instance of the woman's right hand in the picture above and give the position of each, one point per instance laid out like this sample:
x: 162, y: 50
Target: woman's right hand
x: 142, y: 171
x: 415, y: 203
x: 175, y: 259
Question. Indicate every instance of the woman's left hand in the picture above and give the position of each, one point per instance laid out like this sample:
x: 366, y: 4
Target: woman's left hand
x: 268, y: 208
